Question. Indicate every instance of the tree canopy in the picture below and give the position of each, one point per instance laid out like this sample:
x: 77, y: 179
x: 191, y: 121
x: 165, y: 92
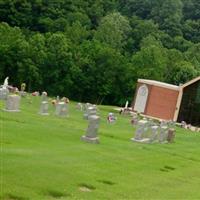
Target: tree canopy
x: 95, y: 50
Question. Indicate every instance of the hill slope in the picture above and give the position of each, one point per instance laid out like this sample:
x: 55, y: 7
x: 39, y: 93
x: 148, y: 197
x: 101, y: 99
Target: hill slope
x: 42, y: 157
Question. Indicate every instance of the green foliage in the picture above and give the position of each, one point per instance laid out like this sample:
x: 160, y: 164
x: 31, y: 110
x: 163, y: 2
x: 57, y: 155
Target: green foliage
x: 182, y: 72
x: 95, y: 50
x: 150, y: 61
x: 113, y: 30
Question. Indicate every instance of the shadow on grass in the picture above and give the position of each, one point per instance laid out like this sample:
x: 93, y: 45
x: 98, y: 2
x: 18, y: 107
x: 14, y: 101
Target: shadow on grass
x: 14, y: 197
x: 167, y: 168
x: 106, y: 182
x: 56, y: 194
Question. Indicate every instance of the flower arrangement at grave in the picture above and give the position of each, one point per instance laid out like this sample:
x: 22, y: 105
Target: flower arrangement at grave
x: 65, y: 99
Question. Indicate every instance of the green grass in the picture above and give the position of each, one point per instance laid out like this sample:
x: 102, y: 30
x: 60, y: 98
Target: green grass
x: 42, y: 157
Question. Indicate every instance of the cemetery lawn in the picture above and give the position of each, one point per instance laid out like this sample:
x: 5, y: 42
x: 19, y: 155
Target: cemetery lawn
x: 42, y: 157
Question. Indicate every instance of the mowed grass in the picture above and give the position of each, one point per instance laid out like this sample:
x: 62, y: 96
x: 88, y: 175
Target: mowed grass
x: 42, y: 157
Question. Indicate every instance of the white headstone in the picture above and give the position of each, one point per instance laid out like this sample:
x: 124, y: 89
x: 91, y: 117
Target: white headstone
x: 141, y: 99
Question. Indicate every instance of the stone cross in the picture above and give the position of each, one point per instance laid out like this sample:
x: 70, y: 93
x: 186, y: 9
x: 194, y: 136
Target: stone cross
x: 92, y: 130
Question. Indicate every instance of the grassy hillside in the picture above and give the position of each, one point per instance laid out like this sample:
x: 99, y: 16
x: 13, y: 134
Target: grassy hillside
x: 42, y: 157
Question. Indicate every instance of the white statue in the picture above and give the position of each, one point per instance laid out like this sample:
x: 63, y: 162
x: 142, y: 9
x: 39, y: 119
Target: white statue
x: 5, y: 84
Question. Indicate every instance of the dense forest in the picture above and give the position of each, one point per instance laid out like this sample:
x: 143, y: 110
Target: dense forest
x: 95, y: 50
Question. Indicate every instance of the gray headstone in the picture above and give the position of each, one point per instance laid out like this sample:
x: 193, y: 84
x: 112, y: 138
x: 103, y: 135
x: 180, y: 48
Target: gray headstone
x: 163, y: 134
x: 61, y: 109
x: 92, y: 110
x: 79, y: 106
x: 3, y: 93
x: 135, y: 119
x: 13, y: 103
x: 154, y: 133
x: 92, y: 130
x: 44, y: 108
x: 44, y: 96
x: 171, y: 135
x: 141, y: 129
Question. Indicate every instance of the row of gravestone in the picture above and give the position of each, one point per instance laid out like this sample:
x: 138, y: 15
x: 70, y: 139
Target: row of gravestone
x: 12, y: 104
x: 61, y: 106
x: 146, y: 131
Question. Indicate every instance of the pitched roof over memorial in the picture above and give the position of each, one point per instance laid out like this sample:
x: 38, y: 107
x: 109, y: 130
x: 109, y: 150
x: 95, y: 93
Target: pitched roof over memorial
x: 159, y: 84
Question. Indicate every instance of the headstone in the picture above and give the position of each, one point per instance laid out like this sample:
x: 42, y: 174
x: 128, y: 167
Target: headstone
x: 44, y: 96
x: 141, y: 98
x: 92, y: 130
x: 3, y: 93
x: 44, y: 108
x: 13, y: 103
x: 57, y: 99
x: 163, y: 134
x: 44, y: 104
x: 79, y: 106
x: 183, y: 124
x: 154, y: 133
x: 141, y: 129
x: 61, y: 109
x: 171, y: 135
x: 92, y: 110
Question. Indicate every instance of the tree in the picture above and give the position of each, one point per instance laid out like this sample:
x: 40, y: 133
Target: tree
x: 57, y: 64
x: 113, y: 30
x: 182, y: 72
x: 191, y: 30
x: 150, y: 62
x: 140, y: 29
x: 168, y: 15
